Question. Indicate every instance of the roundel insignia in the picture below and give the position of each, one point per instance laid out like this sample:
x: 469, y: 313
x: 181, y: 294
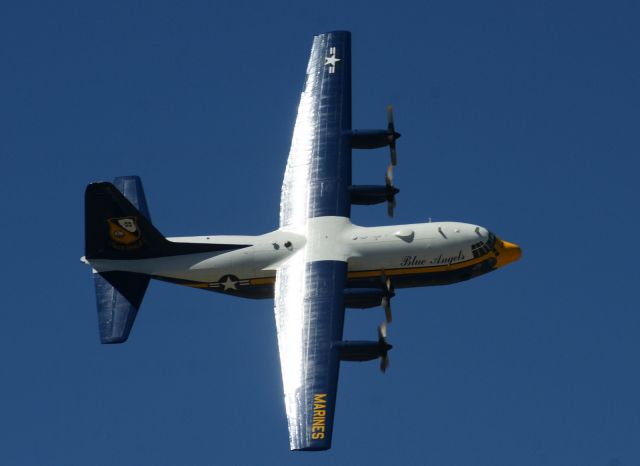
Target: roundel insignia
x: 229, y: 282
x: 124, y: 231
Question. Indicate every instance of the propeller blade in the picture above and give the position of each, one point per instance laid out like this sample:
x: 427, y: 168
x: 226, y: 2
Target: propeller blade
x: 386, y: 281
x: 386, y: 305
x: 386, y: 300
x: 394, y: 153
x: 391, y: 205
x: 392, y: 135
x: 388, y: 176
x: 382, y: 333
x: 384, y: 363
x: 382, y: 339
x: 388, y: 181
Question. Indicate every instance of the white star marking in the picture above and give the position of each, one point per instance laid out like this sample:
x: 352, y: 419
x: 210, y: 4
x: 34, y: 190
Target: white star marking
x: 331, y: 60
x: 229, y: 284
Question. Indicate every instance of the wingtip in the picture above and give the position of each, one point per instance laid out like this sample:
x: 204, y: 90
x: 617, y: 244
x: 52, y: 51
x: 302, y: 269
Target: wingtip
x: 337, y: 32
x: 112, y: 340
x: 324, y: 448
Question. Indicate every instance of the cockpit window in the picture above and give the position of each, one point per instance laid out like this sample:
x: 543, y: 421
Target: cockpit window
x: 481, y: 248
x: 491, y: 241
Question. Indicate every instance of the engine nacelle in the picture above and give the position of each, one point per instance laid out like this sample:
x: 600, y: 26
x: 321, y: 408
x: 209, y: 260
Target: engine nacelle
x: 372, y: 194
x: 362, y: 350
x: 371, y: 138
x: 362, y: 298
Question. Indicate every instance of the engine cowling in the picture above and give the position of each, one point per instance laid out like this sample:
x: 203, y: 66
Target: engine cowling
x: 362, y: 350
x: 362, y: 298
x: 372, y: 194
x: 372, y: 138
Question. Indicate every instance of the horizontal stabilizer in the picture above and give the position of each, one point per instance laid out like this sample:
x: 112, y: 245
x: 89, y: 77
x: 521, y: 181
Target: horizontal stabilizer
x: 118, y: 297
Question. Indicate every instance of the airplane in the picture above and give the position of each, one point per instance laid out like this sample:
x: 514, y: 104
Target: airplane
x: 314, y: 266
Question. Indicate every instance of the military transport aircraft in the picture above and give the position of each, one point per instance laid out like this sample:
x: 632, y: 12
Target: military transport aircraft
x: 314, y: 266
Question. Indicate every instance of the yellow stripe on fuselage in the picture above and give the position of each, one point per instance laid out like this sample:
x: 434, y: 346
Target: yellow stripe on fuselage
x: 392, y: 272
x: 373, y: 273
x: 263, y: 281
x: 421, y: 270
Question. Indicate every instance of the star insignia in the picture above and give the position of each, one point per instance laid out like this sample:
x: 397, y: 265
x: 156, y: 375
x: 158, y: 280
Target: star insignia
x: 331, y: 60
x: 229, y: 284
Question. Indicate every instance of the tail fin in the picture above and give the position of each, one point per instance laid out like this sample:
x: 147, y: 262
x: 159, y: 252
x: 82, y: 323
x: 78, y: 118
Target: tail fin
x: 118, y: 294
x: 118, y: 227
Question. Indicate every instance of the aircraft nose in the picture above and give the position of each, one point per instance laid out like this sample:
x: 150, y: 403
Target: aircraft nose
x: 509, y: 252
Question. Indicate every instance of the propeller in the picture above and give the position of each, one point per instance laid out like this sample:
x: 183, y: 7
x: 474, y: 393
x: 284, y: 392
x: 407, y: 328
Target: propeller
x: 384, y: 346
x: 386, y: 299
x: 391, y: 199
x: 392, y: 135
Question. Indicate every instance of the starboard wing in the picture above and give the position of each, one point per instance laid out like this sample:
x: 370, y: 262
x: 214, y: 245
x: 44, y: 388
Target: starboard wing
x: 309, y: 305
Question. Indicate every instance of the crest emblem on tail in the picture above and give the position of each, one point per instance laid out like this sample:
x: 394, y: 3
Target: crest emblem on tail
x: 124, y: 232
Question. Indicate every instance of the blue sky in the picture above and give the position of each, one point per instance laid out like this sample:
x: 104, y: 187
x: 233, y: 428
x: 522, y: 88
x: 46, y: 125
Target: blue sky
x: 519, y: 116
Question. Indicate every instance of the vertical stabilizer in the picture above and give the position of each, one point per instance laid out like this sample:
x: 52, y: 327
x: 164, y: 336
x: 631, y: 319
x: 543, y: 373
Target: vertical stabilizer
x: 119, y: 294
x: 118, y: 227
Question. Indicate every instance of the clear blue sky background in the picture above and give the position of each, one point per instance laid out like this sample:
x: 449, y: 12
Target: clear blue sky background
x: 520, y: 116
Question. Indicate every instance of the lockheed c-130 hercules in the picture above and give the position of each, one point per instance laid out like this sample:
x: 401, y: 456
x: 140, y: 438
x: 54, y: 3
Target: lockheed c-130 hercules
x: 314, y: 266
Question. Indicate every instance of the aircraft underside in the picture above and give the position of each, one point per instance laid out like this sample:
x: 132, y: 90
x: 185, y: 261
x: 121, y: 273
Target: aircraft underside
x: 316, y: 264
x: 262, y: 287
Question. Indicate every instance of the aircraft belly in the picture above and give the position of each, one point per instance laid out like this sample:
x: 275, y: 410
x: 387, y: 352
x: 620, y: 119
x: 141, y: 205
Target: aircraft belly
x: 422, y: 262
x: 416, y: 277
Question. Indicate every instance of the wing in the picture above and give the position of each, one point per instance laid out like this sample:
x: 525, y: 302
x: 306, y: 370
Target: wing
x: 318, y: 175
x: 309, y: 290
x: 309, y: 306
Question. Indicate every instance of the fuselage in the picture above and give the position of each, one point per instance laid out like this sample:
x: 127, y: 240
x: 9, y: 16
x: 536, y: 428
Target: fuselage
x: 423, y: 254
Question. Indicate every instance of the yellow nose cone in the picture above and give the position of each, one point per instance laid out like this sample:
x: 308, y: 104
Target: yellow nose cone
x: 508, y: 252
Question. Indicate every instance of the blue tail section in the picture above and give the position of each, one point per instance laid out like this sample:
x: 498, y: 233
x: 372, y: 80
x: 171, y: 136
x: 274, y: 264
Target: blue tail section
x: 118, y: 227
x: 119, y: 294
x: 131, y: 188
x: 117, y: 311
